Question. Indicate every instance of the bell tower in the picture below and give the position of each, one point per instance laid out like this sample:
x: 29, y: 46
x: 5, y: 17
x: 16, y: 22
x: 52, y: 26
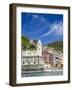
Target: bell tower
x: 39, y: 48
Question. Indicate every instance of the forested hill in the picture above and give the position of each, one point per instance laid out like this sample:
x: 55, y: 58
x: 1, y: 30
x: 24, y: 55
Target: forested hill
x: 26, y: 45
x: 58, y: 45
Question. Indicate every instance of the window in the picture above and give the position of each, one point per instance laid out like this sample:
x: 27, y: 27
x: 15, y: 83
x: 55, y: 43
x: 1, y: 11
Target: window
x: 23, y: 62
x: 56, y: 65
x: 28, y: 62
x: 34, y: 62
x: 56, y: 57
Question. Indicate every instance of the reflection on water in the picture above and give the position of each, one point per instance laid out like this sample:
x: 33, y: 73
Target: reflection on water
x: 41, y: 73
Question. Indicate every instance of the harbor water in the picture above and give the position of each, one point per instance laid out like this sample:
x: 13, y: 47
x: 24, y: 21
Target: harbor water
x: 41, y: 73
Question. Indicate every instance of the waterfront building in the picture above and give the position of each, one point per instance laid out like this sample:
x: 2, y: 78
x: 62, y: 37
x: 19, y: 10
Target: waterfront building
x: 41, y: 57
x: 58, y: 59
x: 32, y: 57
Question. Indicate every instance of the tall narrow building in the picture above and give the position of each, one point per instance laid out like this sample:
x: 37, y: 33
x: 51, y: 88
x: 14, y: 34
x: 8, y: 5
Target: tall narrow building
x: 39, y: 48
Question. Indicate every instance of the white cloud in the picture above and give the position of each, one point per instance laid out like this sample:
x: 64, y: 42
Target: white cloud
x: 46, y: 34
x: 35, y: 16
x: 55, y: 28
x: 42, y: 19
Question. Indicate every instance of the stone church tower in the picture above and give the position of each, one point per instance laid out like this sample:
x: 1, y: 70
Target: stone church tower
x: 39, y: 48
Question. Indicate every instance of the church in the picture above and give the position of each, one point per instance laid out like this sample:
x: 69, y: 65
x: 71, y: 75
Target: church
x: 32, y: 57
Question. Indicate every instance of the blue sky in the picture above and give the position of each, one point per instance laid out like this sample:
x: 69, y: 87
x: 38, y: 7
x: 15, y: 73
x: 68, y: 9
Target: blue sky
x: 46, y: 27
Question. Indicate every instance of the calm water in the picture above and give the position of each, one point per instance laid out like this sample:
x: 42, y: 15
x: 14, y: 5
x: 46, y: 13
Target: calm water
x: 41, y: 73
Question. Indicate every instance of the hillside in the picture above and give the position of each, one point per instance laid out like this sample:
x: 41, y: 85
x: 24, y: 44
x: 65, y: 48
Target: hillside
x: 58, y: 45
x: 26, y: 45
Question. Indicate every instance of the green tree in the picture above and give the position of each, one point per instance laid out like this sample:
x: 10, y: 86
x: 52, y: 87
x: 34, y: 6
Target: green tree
x: 57, y: 46
x: 26, y: 44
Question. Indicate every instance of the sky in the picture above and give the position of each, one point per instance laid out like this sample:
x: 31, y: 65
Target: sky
x: 45, y: 27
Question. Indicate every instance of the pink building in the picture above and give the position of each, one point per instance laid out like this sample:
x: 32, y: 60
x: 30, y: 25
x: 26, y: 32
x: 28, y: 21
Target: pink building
x: 48, y: 57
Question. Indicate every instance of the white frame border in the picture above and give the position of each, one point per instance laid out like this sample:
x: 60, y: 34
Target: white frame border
x: 18, y: 45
